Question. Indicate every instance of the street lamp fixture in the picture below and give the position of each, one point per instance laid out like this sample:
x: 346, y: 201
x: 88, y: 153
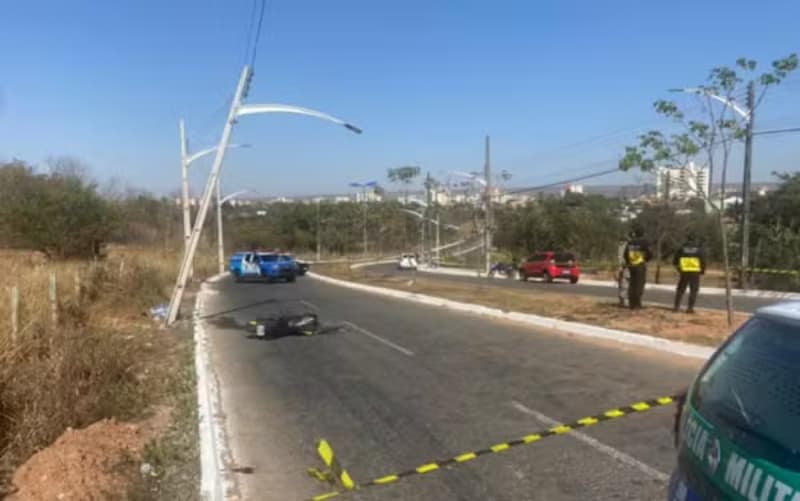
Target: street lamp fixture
x: 237, y: 109
x: 747, y: 116
x: 702, y: 91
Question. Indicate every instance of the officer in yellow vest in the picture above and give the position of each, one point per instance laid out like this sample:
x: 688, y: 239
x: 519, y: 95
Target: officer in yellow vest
x: 637, y: 254
x: 691, y: 263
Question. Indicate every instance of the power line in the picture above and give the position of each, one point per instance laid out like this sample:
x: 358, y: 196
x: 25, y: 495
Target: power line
x: 249, y: 36
x: 776, y: 131
x: 565, y: 181
x: 258, y: 35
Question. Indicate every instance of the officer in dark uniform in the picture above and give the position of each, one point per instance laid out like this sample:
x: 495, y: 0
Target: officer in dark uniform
x: 691, y: 263
x: 637, y: 254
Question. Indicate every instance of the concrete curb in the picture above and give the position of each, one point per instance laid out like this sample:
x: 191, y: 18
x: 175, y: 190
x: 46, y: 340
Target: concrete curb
x: 372, y: 263
x: 713, y: 291
x: 217, y: 278
x: 575, y: 328
x: 213, y: 486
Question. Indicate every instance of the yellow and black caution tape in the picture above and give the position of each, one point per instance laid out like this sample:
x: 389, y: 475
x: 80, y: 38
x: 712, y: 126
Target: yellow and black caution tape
x: 561, y: 429
x: 773, y: 271
x: 335, y: 474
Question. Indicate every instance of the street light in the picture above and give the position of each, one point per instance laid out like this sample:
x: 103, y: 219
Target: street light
x: 220, y: 236
x: 364, y: 186
x: 747, y: 116
x: 186, y: 161
x: 436, y: 222
x: 237, y: 110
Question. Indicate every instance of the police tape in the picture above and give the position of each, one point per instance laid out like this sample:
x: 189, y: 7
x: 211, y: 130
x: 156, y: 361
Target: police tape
x: 773, y: 271
x: 429, y: 467
x: 335, y: 473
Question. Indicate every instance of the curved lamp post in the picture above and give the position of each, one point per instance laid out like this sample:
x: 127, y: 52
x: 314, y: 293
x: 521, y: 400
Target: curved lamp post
x: 237, y: 110
x: 435, y: 222
x: 747, y: 116
x: 186, y: 161
x: 364, y: 186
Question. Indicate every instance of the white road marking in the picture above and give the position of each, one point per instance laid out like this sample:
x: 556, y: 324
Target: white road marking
x: 309, y: 304
x: 376, y: 337
x: 596, y: 444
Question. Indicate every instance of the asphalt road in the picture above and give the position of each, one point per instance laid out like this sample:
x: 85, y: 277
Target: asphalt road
x: 662, y: 297
x: 401, y: 384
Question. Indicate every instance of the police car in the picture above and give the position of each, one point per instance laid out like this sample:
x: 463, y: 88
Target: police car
x: 738, y: 430
x: 269, y: 265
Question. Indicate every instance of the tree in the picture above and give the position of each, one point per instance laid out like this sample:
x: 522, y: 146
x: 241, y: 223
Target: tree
x: 776, y: 228
x: 59, y: 214
x: 664, y: 227
x: 403, y: 176
x: 718, y: 129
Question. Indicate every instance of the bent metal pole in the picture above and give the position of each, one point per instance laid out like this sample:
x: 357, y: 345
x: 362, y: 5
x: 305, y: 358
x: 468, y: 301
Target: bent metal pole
x: 213, y: 177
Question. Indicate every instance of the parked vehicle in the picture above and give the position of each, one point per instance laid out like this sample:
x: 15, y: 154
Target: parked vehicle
x: 277, y: 266
x: 737, y: 430
x: 302, y: 267
x: 250, y: 265
x: 407, y: 262
x: 550, y: 266
x: 235, y: 263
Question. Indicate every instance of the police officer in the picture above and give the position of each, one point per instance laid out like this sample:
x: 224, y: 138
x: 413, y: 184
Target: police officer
x: 623, y: 277
x: 691, y: 263
x: 637, y: 254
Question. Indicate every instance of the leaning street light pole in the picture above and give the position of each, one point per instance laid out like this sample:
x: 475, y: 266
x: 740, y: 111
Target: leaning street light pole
x: 748, y: 114
x: 237, y: 110
x: 186, y: 161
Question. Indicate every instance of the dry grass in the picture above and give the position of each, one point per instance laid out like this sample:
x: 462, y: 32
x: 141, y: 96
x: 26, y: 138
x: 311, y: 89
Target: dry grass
x: 706, y: 327
x: 104, y: 358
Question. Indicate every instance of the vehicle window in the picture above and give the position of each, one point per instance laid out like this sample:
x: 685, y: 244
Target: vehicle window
x: 752, y: 389
x: 539, y: 257
x: 285, y: 258
x: 269, y: 258
x: 563, y: 257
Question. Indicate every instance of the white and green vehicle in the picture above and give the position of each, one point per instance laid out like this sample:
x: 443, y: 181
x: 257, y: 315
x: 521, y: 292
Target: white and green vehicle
x: 739, y: 427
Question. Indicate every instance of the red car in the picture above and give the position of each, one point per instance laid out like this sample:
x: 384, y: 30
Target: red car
x: 551, y: 265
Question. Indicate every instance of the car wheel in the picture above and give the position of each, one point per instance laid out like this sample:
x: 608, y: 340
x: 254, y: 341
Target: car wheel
x: 547, y: 277
x: 238, y: 278
x: 523, y: 276
x: 290, y: 278
x: 573, y: 280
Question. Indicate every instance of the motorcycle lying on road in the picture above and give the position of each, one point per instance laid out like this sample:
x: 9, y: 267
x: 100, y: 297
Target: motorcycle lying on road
x: 502, y: 270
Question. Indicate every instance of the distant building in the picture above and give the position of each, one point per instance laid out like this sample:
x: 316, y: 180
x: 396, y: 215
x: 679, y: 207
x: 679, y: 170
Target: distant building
x: 682, y: 183
x: 572, y: 188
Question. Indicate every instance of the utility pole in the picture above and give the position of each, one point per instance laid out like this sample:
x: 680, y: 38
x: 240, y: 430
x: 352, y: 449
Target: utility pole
x: 438, y: 231
x: 364, y: 202
x: 319, y: 241
x: 213, y: 178
x: 748, y: 165
x: 487, y: 174
x: 427, y: 211
x: 220, y: 244
x: 187, y: 217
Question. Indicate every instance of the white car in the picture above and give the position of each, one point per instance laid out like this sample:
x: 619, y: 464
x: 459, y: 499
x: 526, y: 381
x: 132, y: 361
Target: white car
x: 407, y: 262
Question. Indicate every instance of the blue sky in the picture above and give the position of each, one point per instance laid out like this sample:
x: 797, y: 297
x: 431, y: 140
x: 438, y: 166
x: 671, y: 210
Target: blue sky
x: 107, y: 81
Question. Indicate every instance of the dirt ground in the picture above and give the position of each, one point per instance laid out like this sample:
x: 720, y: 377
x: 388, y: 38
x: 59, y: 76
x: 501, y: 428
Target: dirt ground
x: 93, y: 463
x: 707, y: 327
